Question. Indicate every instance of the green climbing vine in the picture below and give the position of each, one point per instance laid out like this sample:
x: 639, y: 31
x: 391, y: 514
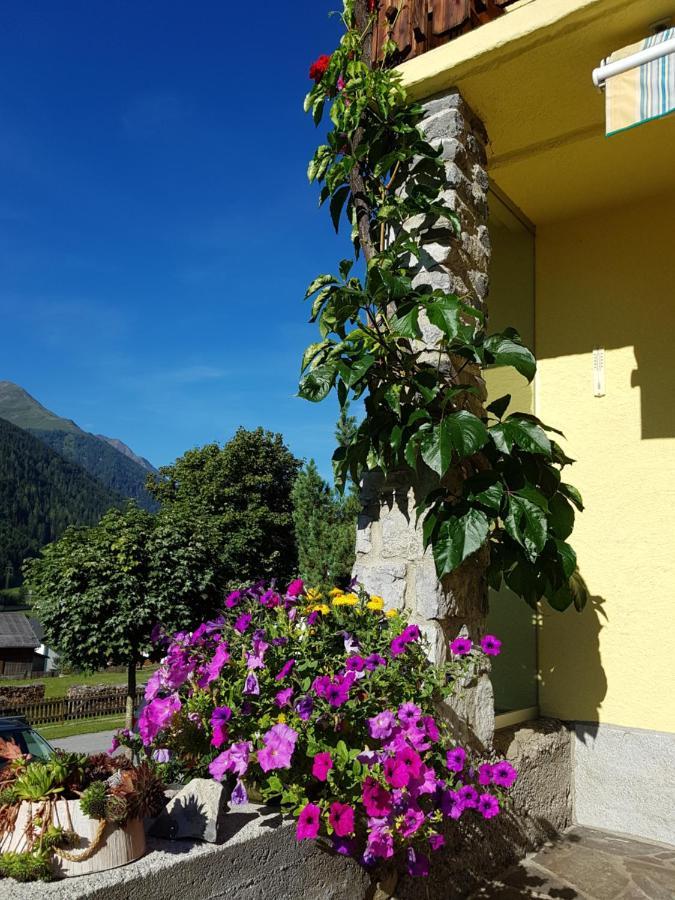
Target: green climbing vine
x: 496, y: 478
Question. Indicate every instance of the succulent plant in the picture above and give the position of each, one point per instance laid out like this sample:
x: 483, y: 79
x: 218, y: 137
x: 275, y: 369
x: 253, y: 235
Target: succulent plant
x: 93, y: 800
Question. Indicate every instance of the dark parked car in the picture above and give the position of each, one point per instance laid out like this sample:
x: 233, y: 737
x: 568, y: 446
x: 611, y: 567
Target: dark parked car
x: 14, y: 728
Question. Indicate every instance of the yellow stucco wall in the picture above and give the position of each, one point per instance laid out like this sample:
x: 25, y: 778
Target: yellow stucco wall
x: 608, y: 281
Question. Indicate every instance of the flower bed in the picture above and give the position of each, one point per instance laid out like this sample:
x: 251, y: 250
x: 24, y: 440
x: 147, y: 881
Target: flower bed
x: 330, y: 707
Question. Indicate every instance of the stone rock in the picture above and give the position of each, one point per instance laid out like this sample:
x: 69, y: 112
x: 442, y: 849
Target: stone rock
x: 196, y: 812
x: 386, y: 580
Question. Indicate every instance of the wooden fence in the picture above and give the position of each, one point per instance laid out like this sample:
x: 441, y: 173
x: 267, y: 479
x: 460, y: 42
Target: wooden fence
x: 69, y: 709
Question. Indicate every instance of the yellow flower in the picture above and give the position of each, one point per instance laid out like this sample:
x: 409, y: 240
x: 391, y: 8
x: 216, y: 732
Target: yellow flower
x: 346, y: 600
x: 391, y: 613
x: 375, y: 603
x: 281, y: 719
x: 313, y: 595
x: 323, y: 608
x: 336, y: 592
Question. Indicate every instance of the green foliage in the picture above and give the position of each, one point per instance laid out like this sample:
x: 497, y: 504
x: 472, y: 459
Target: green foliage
x: 99, y: 591
x: 243, y: 489
x: 325, y: 530
x: 29, y: 866
x: 483, y: 479
x: 41, y: 494
x: 93, y: 800
x: 38, y: 782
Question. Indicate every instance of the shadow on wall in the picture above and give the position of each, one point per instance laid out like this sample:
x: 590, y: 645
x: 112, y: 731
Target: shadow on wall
x: 575, y: 686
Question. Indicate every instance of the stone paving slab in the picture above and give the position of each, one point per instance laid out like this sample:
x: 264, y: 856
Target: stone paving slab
x: 590, y: 865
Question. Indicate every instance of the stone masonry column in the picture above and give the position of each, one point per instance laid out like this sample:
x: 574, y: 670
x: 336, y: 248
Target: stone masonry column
x: 390, y: 560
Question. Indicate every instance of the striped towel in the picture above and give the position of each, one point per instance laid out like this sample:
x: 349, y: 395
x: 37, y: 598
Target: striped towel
x: 644, y: 93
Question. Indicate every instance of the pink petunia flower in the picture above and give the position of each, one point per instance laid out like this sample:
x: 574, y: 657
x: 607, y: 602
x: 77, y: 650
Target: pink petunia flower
x: 309, y: 822
x: 381, y: 725
x: 220, y: 716
x: 491, y: 645
x: 461, y: 646
x: 485, y: 774
x: 279, y: 744
x: 503, y: 774
x: 156, y: 716
x: 322, y: 765
x: 455, y: 759
x: 488, y: 806
x: 341, y: 819
x: 377, y: 800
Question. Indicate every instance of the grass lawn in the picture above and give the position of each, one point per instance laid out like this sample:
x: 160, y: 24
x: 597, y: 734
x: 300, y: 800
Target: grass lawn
x: 82, y: 726
x: 57, y: 687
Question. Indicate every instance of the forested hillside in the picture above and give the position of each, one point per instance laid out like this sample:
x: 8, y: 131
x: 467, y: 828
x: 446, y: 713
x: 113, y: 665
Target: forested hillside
x: 115, y: 469
x: 40, y: 495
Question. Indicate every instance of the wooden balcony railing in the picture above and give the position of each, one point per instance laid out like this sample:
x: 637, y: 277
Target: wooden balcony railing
x: 420, y: 25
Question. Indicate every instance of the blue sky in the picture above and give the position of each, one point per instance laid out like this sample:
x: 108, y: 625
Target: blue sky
x: 157, y: 231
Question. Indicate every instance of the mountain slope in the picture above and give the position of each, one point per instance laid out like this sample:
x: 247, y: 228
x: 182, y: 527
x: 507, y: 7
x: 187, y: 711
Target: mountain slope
x: 128, y: 452
x: 40, y: 495
x: 114, y: 469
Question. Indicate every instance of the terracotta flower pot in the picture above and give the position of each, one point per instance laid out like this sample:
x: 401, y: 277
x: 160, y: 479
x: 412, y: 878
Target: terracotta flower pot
x: 114, y: 846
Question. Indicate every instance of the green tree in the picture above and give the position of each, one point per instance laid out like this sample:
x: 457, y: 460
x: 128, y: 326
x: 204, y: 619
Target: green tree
x: 325, y: 530
x: 244, y: 489
x: 100, y: 591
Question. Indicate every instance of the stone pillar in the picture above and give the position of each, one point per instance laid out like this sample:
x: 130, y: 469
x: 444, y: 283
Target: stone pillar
x: 390, y: 560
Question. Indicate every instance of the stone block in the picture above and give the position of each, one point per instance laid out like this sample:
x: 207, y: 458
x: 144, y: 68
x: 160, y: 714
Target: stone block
x: 197, y: 812
x: 386, y: 580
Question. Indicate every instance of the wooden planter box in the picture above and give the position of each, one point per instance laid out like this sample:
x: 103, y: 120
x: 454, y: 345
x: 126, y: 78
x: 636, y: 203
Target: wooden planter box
x: 117, y: 846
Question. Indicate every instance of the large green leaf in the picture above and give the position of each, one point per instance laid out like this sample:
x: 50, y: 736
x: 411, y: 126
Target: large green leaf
x: 506, y: 350
x: 445, y: 315
x: 317, y: 384
x: 573, y: 494
x: 336, y: 204
x: 319, y: 282
x: 436, y: 448
x: 527, y: 524
x: 465, y: 432
x: 561, y: 516
x: 406, y: 325
x: 457, y: 538
x: 523, y: 433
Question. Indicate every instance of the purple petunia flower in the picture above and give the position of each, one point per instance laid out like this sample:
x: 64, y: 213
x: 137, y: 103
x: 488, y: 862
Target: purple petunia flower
x: 398, y: 645
x: 380, y: 843
x: 408, y: 714
x: 156, y: 716
x: 485, y: 774
x: 270, y: 599
x: 451, y: 804
x: 488, y: 806
x: 304, y: 707
x: 322, y: 765
x: 413, y: 819
x: 491, y: 645
x: 368, y: 757
x: 431, y: 728
x: 279, y: 744
x: 418, y: 863
x: 243, y: 622
x: 341, y: 819
x: 355, y: 664
x: 312, y: 617
x: 377, y: 799
x: 455, y: 759
x: 220, y: 716
x: 469, y: 796
x: 212, y: 671
x: 374, y: 661
x: 161, y: 755
x: 234, y: 759
x: 255, y: 658
x: 283, y: 698
x: 503, y: 774
x: 239, y: 795
x: 381, y: 725
x: 436, y: 841
x: 411, y: 633
x: 251, y: 685
x: 285, y: 670
x: 461, y: 646
x: 233, y: 599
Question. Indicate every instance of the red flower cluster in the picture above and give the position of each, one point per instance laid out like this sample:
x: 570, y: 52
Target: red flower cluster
x: 318, y: 68
x: 372, y: 5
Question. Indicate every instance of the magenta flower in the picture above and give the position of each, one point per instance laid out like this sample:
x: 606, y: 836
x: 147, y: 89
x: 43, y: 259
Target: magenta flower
x: 284, y: 671
x: 243, y: 622
x: 452, y: 805
x: 304, y: 707
x: 340, y: 85
x: 233, y: 599
x: 436, y: 841
x: 220, y: 716
x: 418, y: 863
x: 468, y: 796
x: 295, y: 588
x: 485, y: 774
x: 376, y: 799
x: 408, y: 714
x: 270, y: 599
x: 503, y: 774
x: 398, y: 645
x: 461, y: 646
x: 154, y: 685
x: 455, y: 759
x: 212, y: 671
x: 488, y: 806
x: 279, y: 744
x: 283, y: 698
x: 156, y: 716
x: 491, y: 645
x: 374, y: 661
x: 252, y: 685
x: 355, y: 664
x: 381, y: 725
x: 395, y: 773
x: 425, y: 783
x: 380, y: 844
x: 239, y: 795
x: 341, y: 819
x: 431, y: 728
x: 337, y: 690
x: 320, y: 685
x: 413, y: 819
x: 234, y: 759
x: 411, y: 633
x: 322, y: 765
x: 309, y: 821
x: 312, y: 617
x: 411, y: 760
